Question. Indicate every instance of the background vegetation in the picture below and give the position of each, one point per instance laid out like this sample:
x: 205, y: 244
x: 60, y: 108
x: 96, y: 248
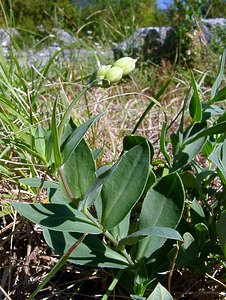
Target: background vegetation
x: 93, y: 14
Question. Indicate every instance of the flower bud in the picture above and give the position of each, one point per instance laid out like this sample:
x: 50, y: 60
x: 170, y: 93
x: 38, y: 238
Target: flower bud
x: 114, y: 74
x: 126, y: 63
x: 102, y: 70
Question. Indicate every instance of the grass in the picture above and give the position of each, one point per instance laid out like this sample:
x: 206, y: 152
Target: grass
x: 27, y: 95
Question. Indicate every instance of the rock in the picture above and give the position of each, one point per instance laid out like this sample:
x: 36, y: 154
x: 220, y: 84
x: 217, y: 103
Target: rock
x: 67, y: 46
x: 42, y: 56
x: 5, y: 38
x: 62, y: 37
x: 148, y: 42
x: 208, y: 27
x: 87, y: 56
x: 210, y: 23
x: 156, y: 43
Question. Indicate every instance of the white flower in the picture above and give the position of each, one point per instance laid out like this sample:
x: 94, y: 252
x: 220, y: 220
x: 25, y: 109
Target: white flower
x: 127, y: 64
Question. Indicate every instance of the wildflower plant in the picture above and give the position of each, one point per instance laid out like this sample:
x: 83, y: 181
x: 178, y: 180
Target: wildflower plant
x: 128, y: 216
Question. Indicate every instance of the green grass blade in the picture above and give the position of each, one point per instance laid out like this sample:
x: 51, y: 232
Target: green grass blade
x: 220, y: 96
x: 13, y: 110
x: 163, y: 143
x: 57, y: 267
x: 219, y: 75
x: 195, y: 107
x: 27, y: 148
x: 112, y: 285
x: 152, y: 103
x: 216, y: 129
x: 68, y: 111
x: 47, y: 67
x: 54, y: 131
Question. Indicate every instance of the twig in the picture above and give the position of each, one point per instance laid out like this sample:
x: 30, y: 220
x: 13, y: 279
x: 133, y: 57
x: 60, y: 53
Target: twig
x: 4, y: 293
x: 173, y: 266
x: 15, y: 231
x: 187, y: 291
x: 216, y: 280
x: 11, y: 252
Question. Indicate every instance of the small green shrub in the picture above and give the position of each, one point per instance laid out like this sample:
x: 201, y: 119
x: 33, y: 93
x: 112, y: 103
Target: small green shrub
x: 186, y: 15
x: 30, y: 14
x: 218, y: 42
x: 125, y: 215
x: 105, y: 20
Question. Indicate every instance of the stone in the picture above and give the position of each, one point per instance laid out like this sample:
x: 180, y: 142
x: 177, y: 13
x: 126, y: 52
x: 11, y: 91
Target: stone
x: 62, y: 37
x: 5, y: 36
x: 210, y: 23
x: 42, y: 56
x: 148, y: 42
x: 156, y: 43
x: 68, y: 46
x: 208, y: 26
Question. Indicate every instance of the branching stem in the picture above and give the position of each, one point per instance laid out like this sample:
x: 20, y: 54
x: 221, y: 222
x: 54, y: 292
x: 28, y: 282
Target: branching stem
x: 109, y: 236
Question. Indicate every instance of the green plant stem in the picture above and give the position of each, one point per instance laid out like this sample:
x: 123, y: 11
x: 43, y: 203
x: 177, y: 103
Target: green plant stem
x: 68, y: 111
x: 57, y: 267
x: 112, y: 285
x: 152, y: 103
x: 173, y: 266
x: 66, y: 186
x: 108, y: 235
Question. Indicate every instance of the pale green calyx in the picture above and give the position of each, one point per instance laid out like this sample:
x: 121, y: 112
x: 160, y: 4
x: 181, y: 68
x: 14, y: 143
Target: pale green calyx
x: 102, y: 70
x: 127, y: 64
x: 114, y: 74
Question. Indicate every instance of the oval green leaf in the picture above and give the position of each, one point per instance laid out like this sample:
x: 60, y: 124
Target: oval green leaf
x: 160, y: 293
x: 162, y: 207
x: 125, y: 185
x: 79, y: 170
x: 59, y: 217
x: 90, y: 252
x: 164, y: 232
x: 195, y: 107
